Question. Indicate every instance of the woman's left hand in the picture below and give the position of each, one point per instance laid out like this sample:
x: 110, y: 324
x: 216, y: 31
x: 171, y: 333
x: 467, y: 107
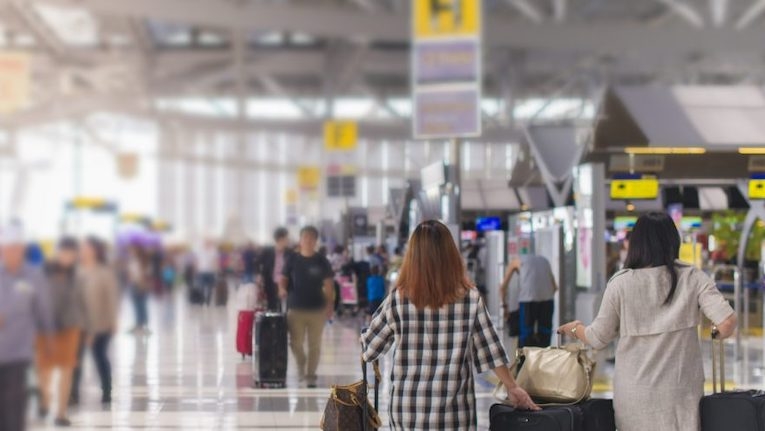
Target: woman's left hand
x: 568, y: 327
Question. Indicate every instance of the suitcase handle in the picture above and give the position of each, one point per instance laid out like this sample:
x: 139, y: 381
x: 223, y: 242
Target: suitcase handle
x: 718, y: 348
x: 378, y: 378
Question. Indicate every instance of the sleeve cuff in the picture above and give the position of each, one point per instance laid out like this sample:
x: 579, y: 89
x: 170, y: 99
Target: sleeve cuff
x: 593, y: 339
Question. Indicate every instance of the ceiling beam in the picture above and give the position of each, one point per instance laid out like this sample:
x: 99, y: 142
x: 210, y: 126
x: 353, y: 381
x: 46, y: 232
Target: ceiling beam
x: 337, y: 22
x: 685, y: 11
x: 718, y: 11
x: 751, y: 14
x: 528, y: 10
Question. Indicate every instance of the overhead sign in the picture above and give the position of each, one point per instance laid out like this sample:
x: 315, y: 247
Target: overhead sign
x: 309, y: 177
x: 757, y: 187
x: 446, y: 68
x: 447, y: 113
x: 446, y: 18
x: 14, y: 81
x: 635, y: 188
x: 91, y: 203
x: 127, y: 165
x: 341, y: 135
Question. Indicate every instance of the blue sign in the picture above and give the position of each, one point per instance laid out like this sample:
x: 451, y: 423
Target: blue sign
x: 485, y: 224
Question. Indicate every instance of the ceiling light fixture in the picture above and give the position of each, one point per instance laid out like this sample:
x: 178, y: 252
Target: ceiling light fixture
x: 751, y: 150
x: 665, y: 150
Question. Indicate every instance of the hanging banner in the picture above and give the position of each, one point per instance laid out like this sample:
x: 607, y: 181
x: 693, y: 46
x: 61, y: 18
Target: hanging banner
x: 446, y: 68
x: 14, y: 81
x: 341, y: 135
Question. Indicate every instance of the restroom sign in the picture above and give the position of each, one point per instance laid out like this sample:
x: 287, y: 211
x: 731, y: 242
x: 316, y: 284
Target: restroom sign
x: 446, y: 18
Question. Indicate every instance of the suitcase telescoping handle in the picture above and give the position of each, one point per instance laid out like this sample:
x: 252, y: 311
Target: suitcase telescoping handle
x: 378, y: 377
x: 718, y: 348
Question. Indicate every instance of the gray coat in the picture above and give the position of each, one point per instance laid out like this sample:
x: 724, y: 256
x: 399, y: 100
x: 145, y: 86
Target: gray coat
x: 659, y: 376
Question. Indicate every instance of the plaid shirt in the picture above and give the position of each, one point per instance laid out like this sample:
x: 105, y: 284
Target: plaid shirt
x: 432, y: 385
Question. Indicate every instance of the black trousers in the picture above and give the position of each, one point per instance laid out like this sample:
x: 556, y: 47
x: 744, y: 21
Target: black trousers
x: 100, y: 352
x: 536, y: 323
x: 13, y: 396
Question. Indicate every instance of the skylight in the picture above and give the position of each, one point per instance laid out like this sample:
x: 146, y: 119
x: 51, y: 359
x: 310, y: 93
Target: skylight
x: 73, y: 25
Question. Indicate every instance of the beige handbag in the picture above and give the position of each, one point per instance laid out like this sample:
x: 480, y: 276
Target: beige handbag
x: 552, y: 375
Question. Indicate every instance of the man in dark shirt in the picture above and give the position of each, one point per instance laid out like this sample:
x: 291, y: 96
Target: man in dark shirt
x: 307, y: 283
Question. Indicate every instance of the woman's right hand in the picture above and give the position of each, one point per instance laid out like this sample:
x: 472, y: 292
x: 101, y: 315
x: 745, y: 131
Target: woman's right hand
x: 520, y: 399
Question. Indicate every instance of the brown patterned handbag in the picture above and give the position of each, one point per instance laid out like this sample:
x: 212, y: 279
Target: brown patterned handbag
x: 348, y: 406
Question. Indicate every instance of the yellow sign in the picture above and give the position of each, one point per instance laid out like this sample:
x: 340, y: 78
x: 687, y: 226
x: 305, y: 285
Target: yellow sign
x: 340, y: 135
x: 446, y: 18
x: 643, y: 188
x: 691, y: 255
x: 757, y: 189
x: 309, y: 177
x: 86, y: 202
x: 291, y: 197
x: 14, y: 81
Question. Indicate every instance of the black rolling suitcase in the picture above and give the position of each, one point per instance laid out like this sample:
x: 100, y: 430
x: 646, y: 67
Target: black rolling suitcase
x: 590, y: 415
x: 505, y: 418
x: 269, y: 344
x: 727, y: 411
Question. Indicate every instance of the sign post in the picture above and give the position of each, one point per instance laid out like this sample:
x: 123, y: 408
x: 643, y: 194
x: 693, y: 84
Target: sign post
x: 446, y: 82
x: 446, y: 68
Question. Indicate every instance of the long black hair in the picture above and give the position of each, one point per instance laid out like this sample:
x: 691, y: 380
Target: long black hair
x: 655, y: 242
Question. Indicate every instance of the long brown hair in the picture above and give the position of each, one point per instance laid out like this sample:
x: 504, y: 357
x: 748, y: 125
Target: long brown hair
x: 432, y: 274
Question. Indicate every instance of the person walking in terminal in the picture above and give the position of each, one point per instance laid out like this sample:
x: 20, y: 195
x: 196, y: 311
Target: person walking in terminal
x: 307, y: 283
x: 653, y: 307
x: 102, y: 298
x: 271, y: 264
x: 441, y: 329
x: 536, y: 297
x: 25, y: 311
x: 68, y: 302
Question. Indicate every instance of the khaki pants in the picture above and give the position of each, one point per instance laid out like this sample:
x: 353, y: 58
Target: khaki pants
x: 300, y: 323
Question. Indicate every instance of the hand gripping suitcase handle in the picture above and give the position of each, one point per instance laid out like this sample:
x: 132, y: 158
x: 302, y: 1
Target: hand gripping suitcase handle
x: 378, y: 378
x: 718, y: 348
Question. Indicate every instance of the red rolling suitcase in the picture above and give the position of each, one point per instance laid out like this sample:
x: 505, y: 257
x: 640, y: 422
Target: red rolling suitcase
x: 244, y: 327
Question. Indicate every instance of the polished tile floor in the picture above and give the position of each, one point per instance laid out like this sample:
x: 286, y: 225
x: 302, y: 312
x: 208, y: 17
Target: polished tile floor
x: 187, y: 375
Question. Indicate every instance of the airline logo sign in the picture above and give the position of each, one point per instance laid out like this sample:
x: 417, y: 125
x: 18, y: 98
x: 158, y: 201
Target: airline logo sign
x: 446, y: 68
x: 341, y: 135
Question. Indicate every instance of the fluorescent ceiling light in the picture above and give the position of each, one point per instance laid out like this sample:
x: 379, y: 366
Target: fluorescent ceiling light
x: 665, y: 150
x: 751, y: 150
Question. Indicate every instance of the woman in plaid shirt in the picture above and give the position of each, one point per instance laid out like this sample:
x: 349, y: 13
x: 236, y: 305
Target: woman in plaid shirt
x: 441, y: 329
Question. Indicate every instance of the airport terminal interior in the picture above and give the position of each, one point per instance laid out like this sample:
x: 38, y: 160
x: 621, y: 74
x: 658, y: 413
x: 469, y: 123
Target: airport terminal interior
x: 186, y: 144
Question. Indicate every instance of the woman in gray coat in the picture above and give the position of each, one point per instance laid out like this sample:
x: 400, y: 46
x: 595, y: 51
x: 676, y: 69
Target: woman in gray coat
x: 652, y: 306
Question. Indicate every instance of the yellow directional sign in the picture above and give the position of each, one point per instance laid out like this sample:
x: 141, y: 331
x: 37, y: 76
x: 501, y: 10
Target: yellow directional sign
x: 340, y: 135
x: 88, y: 202
x: 309, y: 177
x: 446, y: 18
x: 642, y: 188
x: 757, y: 188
